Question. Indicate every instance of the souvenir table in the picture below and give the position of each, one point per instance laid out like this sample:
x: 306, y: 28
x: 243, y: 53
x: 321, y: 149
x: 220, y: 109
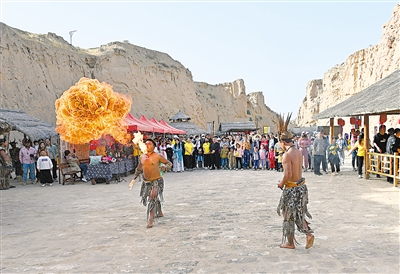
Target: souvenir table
x: 106, y: 171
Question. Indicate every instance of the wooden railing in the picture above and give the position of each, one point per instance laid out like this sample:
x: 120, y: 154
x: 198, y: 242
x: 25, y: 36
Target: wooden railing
x: 383, y: 164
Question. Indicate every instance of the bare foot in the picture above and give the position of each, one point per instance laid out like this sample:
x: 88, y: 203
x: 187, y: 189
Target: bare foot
x: 160, y: 215
x: 310, y: 241
x: 149, y: 225
x: 287, y: 245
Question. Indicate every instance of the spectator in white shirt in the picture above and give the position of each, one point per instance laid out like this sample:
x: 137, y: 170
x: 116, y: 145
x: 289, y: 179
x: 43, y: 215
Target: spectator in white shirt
x: 44, y: 166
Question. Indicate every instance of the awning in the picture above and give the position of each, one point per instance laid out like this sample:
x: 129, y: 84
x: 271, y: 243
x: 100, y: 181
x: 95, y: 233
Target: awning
x: 32, y: 127
x: 174, y: 130
x: 190, y: 128
x: 378, y: 98
x: 136, y: 125
x: 167, y: 129
x: 237, y: 126
x: 156, y: 128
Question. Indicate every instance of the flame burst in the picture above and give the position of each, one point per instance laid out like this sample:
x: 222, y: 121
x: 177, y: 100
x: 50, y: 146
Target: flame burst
x: 91, y: 109
x: 138, y: 139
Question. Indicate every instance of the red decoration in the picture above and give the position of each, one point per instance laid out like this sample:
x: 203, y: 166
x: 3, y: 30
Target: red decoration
x: 352, y: 120
x: 382, y: 118
x: 341, y: 122
x: 358, y: 122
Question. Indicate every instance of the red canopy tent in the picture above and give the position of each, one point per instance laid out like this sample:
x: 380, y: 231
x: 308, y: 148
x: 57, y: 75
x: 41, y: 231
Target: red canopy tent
x: 156, y: 128
x: 167, y: 128
x: 136, y: 125
x: 175, y: 130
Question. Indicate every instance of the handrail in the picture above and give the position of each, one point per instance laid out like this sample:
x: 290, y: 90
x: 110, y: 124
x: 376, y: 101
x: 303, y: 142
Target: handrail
x: 383, y: 164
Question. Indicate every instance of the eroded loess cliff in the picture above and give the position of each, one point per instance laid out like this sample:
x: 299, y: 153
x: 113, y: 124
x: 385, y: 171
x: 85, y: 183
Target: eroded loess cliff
x: 360, y: 70
x: 37, y: 69
x: 228, y: 102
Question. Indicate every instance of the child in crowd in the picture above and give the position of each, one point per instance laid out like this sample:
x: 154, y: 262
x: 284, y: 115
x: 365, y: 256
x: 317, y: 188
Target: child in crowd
x: 263, y: 157
x: 333, y: 156
x: 238, y: 156
x: 256, y: 158
x: 231, y: 158
x: 200, y: 157
x: 279, y: 152
x: 271, y: 158
x: 224, y: 156
x: 44, y: 165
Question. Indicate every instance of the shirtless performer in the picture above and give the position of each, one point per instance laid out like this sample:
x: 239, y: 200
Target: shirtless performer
x: 294, y: 199
x: 153, y: 184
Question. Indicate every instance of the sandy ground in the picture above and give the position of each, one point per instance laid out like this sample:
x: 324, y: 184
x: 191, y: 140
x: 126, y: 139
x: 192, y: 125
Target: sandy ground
x: 215, y: 222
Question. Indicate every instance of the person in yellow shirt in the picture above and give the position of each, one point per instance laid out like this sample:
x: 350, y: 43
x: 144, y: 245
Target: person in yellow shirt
x: 360, y: 154
x: 188, y: 156
x: 101, y: 149
x: 224, y: 157
x: 136, y: 154
x: 207, y: 154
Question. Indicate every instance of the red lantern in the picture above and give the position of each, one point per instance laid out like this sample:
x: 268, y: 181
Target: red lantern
x: 341, y: 122
x: 358, y: 122
x: 382, y: 118
x: 352, y: 120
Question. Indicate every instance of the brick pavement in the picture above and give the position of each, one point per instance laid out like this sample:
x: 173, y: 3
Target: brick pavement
x: 215, y: 222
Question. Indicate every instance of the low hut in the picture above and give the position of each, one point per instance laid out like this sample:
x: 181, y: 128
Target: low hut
x: 237, y: 126
x: 181, y: 121
x: 32, y: 127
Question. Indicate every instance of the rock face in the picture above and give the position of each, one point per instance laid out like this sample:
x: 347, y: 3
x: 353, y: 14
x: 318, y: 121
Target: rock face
x: 228, y: 102
x: 37, y: 69
x: 361, y: 69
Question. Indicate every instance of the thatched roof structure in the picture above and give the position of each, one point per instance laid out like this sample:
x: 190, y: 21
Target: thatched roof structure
x: 381, y: 97
x: 190, y: 128
x: 34, y: 128
x: 237, y: 126
x: 179, y: 117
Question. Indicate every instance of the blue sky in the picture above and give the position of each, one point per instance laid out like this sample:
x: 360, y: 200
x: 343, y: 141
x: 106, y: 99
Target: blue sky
x: 275, y: 46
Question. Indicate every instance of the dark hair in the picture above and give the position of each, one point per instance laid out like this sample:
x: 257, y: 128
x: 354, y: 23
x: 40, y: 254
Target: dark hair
x: 287, y: 140
x: 66, y: 153
x: 151, y: 140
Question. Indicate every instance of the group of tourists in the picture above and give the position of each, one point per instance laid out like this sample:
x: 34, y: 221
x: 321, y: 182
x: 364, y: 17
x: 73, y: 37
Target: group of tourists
x: 36, y: 163
x: 294, y: 199
x: 285, y: 152
x: 222, y: 152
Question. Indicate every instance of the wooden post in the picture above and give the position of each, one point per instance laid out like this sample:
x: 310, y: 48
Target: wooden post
x: 396, y: 169
x: 366, y: 145
x: 331, y: 125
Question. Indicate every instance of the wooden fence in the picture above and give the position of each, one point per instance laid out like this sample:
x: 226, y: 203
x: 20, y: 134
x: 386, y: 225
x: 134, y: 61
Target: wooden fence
x: 383, y: 164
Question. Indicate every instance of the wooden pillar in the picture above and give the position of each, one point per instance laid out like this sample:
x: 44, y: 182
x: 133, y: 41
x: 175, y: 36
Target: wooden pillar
x: 331, y: 132
x: 366, y: 144
x: 396, y: 169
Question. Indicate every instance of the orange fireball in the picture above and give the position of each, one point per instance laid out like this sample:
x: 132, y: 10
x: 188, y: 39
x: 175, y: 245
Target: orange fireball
x: 91, y: 109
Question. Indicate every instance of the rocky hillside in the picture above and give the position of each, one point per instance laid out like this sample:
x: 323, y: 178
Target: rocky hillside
x: 361, y: 69
x: 37, y: 69
x: 229, y: 102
